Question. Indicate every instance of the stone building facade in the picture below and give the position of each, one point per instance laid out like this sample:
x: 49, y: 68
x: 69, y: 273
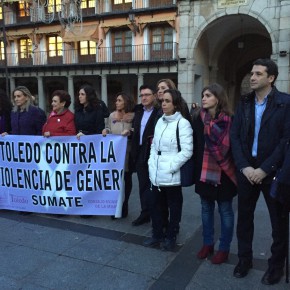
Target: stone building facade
x: 219, y: 40
x: 122, y: 44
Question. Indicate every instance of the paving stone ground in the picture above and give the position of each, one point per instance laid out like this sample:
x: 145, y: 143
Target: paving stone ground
x: 45, y: 252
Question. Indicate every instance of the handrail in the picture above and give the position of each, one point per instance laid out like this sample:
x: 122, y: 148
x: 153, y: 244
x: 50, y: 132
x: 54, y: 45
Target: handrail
x: 115, y: 54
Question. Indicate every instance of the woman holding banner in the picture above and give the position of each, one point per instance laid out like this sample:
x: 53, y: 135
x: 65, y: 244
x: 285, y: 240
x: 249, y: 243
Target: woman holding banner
x: 89, y: 112
x: 5, y: 111
x: 120, y: 122
x: 26, y: 119
x: 61, y: 120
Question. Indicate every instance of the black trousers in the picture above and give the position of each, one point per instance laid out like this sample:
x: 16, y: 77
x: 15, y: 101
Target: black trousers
x: 173, y: 195
x: 144, y: 184
x: 128, y: 185
x: 247, y: 198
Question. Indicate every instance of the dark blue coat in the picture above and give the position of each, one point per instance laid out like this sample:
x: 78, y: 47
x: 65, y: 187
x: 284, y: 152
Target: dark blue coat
x: 273, y: 135
x: 283, y: 189
x: 28, y: 122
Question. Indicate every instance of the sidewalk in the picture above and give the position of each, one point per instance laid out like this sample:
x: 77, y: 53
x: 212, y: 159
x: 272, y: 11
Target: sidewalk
x: 44, y: 252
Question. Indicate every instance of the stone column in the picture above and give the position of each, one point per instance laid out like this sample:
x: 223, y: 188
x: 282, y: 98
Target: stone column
x: 283, y: 48
x: 70, y: 86
x: 12, y: 84
x: 140, y: 83
x: 104, y: 89
x: 185, y: 54
x: 41, y: 96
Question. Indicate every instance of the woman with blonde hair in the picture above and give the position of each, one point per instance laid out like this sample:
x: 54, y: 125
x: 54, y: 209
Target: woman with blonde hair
x: 26, y: 119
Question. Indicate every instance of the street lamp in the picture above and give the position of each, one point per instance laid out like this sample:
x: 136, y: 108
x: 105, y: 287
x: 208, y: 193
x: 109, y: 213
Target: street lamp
x: 131, y: 16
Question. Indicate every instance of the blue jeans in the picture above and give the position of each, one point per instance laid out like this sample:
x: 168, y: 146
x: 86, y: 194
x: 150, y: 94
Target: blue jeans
x: 227, y: 223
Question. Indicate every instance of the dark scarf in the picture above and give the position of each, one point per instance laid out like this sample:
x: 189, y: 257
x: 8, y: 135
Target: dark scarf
x: 217, y: 154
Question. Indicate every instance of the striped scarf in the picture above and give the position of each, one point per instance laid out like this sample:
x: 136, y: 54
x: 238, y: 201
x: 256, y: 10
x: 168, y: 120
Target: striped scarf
x: 217, y: 155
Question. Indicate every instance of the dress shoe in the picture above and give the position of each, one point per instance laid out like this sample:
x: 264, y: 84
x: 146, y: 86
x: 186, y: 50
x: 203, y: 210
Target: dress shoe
x: 152, y: 242
x: 168, y: 245
x: 272, y: 276
x: 242, y: 269
x: 205, y: 251
x: 141, y: 220
x: 220, y: 257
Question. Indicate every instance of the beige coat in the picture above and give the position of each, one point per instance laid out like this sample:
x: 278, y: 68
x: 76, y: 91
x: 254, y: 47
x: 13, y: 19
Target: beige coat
x: 116, y: 126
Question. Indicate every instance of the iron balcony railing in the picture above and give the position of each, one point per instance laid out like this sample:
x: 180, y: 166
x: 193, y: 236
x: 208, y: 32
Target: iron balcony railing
x: 116, y: 54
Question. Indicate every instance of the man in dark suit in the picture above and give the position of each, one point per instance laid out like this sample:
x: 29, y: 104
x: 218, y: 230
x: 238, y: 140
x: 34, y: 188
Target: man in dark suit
x: 143, y: 129
x: 260, y: 129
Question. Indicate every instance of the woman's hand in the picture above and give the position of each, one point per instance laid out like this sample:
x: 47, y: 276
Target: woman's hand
x: 46, y: 134
x: 79, y: 134
x: 105, y: 132
x: 4, y: 134
x: 126, y: 133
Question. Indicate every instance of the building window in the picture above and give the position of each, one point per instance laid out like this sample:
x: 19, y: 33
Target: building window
x: 1, y: 15
x: 122, y: 45
x: 122, y: 1
x: 2, y: 50
x: 25, y: 48
x: 162, y: 42
x: 121, y: 5
x: 53, y: 6
x: 23, y: 8
x: 87, y: 47
x: 54, y: 46
x: 122, y: 41
x: 158, y: 3
x: 88, y: 4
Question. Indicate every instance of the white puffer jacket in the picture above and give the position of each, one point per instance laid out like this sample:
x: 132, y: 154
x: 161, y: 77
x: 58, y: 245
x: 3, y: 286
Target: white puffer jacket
x: 165, y: 160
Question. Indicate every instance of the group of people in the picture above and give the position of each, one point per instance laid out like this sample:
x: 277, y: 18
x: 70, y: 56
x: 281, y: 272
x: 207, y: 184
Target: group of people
x: 234, y: 154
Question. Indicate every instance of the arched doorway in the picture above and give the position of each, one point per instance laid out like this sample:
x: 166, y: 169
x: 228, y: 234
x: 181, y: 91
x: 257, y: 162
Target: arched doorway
x: 226, y: 49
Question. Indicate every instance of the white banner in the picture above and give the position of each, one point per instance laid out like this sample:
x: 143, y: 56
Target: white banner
x: 62, y: 175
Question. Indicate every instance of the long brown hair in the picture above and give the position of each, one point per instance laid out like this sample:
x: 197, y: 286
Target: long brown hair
x: 129, y: 102
x: 223, y: 101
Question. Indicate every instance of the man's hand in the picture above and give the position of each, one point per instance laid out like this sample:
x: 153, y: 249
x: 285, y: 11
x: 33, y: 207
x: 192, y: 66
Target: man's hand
x: 258, y: 175
x: 249, y: 172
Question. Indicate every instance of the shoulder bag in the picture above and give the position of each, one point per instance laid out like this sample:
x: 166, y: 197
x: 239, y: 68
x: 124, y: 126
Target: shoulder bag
x: 186, y: 170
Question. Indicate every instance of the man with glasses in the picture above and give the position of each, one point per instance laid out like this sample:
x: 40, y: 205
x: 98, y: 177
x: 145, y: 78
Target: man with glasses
x: 143, y: 126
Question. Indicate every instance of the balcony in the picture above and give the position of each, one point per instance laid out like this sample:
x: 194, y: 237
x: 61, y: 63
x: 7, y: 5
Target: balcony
x: 48, y: 13
x: 157, y: 52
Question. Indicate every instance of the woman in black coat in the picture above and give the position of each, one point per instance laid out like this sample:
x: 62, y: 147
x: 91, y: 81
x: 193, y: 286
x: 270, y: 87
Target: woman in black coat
x: 89, y: 112
x: 214, y: 169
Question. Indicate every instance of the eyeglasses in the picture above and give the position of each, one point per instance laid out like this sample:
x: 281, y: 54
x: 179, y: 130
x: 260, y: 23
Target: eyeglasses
x: 145, y: 95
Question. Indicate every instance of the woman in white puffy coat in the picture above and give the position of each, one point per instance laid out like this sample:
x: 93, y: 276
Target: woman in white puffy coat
x: 164, y: 168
